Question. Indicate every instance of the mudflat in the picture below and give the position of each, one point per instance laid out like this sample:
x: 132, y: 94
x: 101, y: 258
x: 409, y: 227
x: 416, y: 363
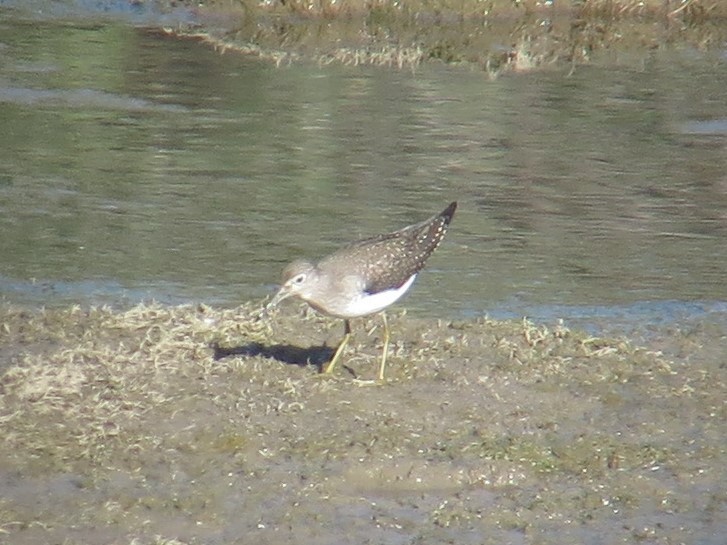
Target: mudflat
x: 192, y: 424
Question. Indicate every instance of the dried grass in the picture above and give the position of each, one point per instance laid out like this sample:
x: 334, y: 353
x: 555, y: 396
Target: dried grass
x: 199, y: 408
x: 497, y: 37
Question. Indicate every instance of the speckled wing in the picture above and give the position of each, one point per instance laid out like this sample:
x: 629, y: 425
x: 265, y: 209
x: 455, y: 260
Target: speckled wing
x: 388, y: 261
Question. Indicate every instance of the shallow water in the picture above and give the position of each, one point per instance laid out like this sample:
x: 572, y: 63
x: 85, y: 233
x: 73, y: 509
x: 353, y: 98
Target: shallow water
x: 136, y: 167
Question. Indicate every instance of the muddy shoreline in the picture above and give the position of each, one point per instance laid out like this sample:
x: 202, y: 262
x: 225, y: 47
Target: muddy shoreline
x: 199, y: 425
x: 495, y: 37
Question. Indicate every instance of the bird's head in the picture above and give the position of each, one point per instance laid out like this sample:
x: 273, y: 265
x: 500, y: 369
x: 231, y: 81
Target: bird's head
x: 296, y: 281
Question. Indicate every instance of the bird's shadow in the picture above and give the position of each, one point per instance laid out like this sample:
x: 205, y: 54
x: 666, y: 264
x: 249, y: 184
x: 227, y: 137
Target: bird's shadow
x: 285, y: 353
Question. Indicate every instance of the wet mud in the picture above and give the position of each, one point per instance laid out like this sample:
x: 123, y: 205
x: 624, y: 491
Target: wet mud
x: 193, y: 424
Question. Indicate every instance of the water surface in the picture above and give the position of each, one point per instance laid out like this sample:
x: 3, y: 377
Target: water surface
x: 134, y: 166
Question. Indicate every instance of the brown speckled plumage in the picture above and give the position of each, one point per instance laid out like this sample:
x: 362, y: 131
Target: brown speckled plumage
x: 387, y: 261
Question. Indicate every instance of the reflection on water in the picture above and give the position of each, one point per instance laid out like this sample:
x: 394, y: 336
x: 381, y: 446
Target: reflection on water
x: 139, y: 167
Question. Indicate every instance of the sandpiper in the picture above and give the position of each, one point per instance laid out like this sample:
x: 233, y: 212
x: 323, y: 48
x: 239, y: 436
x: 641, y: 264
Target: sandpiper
x: 365, y: 277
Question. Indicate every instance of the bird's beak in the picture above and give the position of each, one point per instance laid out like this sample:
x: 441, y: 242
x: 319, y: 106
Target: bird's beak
x: 283, y: 293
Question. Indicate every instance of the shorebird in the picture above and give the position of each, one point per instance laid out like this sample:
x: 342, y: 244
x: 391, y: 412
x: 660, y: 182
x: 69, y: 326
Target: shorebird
x: 365, y: 277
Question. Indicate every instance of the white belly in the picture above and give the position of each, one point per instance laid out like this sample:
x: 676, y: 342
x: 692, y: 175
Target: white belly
x: 370, y: 304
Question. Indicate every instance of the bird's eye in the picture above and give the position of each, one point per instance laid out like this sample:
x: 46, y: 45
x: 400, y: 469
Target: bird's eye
x: 299, y: 279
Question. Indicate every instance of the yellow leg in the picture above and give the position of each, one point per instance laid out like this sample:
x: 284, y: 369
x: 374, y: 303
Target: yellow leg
x: 386, y: 347
x: 328, y: 369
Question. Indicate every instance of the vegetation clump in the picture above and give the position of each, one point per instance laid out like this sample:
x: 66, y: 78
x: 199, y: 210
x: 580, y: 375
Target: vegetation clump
x: 494, y: 35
